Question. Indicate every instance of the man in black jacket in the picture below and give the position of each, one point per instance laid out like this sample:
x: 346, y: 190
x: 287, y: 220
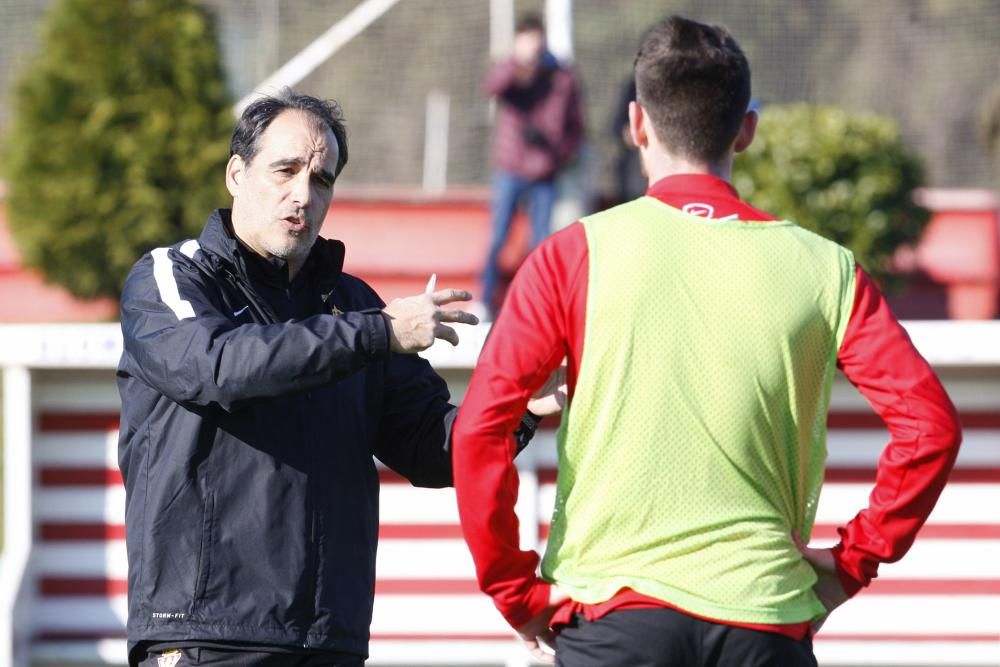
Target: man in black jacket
x: 257, y: 382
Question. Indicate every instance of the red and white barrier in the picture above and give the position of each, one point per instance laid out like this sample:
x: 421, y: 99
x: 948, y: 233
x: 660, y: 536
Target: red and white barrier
x: 64, y: 565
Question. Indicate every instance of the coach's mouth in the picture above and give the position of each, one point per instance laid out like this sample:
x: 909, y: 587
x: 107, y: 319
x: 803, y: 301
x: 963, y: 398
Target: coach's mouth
x: 295, y: 223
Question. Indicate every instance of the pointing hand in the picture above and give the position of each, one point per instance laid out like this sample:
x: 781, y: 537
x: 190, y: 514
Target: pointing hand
x: 415, y: 321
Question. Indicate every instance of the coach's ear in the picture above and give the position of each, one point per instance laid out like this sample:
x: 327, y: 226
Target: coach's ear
x: 747, y: 131
x: 234, y: 174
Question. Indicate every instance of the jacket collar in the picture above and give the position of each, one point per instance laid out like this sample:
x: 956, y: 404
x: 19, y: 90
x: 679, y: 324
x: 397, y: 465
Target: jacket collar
x: 692, y: 185
x: 326, y: 259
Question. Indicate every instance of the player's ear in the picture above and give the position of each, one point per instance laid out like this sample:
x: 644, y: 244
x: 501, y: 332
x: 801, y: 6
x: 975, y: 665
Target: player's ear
x: 637, y: 124
x: 748, y: 129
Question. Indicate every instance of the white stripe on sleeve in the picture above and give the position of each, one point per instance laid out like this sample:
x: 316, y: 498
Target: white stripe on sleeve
x: 163, y: 273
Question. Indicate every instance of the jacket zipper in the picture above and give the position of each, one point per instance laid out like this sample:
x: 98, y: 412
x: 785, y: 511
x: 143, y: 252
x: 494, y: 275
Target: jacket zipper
x: 258, y: 305
x: 265, y: 313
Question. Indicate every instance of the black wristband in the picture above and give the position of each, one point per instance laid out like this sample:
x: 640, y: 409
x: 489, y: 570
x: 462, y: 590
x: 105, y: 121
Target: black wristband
x: 530, y: 420
x: 526, y: 429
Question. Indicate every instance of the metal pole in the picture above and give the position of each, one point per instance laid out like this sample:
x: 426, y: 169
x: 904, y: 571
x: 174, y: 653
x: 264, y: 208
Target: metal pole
x: 436, y: 142
x: 501, y: 28
x: 324, y: 46
x: 559, y: 29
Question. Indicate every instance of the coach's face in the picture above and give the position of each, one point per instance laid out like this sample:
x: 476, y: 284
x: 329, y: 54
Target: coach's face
x: 280, y: 198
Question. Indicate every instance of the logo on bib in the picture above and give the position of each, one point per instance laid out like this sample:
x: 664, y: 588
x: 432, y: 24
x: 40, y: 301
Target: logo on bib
x: 699, y: 209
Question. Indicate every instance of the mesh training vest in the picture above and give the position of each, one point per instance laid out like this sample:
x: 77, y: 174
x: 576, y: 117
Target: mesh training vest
x: 696, y: 439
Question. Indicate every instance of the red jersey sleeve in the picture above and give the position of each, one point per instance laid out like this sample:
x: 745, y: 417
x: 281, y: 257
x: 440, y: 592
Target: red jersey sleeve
x: 537, y: 328
x: 878, y: 357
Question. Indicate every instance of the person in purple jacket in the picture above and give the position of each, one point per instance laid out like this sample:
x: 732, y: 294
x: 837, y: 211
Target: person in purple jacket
x: 539, y: 128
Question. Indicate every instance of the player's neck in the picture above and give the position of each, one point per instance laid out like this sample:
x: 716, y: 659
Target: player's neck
x: 662, y: 165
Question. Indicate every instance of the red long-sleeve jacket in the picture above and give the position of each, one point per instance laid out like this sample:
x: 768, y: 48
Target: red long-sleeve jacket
x: 543, y: 321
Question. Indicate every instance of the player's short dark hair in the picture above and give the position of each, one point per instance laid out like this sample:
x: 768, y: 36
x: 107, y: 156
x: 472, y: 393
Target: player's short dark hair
x: 529, y: 23
x: 693, y: 81
x: 261, y: 112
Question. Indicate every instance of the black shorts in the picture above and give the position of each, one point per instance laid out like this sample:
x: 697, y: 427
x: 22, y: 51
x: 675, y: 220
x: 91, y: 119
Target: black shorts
x: 669, y: 638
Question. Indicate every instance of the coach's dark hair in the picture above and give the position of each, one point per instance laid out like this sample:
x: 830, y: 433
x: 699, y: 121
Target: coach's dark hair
x: 258, y: 116
x: 694, y: 83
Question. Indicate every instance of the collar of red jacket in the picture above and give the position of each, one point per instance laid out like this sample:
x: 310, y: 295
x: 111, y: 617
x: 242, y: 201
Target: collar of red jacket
x: 706, y: 196
x: 691, y: 185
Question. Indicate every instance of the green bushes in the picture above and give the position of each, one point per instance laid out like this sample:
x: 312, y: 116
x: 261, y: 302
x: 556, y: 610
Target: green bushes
x: 847, y: 177
x: 119, y: 138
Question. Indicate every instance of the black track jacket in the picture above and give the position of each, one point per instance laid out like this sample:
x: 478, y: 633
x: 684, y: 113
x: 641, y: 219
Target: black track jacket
x: 246, y: 447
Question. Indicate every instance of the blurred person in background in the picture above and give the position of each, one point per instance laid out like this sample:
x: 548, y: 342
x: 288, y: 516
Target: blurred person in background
x: 538, y: 131
x: 701, y: 337
x: 629, y: 181
x: 257, y: 382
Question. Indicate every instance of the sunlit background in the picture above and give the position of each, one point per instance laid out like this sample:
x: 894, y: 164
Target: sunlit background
x: 880, y: 128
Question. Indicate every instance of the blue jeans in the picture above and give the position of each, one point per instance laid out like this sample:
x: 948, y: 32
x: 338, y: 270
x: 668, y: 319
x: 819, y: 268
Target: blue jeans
x: 508, y: 190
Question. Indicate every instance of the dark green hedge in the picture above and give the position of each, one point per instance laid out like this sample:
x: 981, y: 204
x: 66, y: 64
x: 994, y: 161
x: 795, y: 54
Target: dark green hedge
x: 119, y: 138
x: 848, y: 177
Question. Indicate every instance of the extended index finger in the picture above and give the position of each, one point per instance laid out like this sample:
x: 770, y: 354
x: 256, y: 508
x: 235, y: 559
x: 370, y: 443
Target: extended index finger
x: 455, y: 315
x: 450, y: 295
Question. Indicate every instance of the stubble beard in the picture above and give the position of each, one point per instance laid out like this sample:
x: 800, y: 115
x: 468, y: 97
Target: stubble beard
x: 294, y: 245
